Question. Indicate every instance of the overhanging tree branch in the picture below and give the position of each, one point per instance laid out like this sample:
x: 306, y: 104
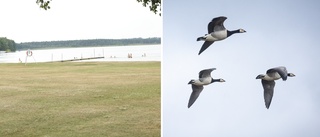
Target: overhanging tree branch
x: 44, y: 4
x: 154, y: 5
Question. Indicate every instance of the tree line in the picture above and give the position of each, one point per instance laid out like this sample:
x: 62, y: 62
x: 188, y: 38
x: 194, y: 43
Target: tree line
x: 87, y: 43
x: 7, y: 45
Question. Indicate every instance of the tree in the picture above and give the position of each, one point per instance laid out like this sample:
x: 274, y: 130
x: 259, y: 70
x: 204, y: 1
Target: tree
x: 154, y: 5
x: 86, y: 43
x: 44, y: 4
x: 7, y: 45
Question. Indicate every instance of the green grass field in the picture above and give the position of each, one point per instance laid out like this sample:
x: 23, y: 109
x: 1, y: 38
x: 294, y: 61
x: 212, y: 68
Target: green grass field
x: 84, y: 99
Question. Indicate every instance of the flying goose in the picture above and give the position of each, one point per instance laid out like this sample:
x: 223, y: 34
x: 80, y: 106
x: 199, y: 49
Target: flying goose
x: 197, y: 85
x: 216, y: 32
x: 268, y: 83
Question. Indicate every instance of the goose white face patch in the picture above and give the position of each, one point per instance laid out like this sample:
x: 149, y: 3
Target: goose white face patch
x: 222, y: 80
x: 242, y: 31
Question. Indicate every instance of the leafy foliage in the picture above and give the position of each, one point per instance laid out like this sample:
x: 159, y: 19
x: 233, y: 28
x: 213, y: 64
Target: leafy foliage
x: 7, y: 45
x: 88, y: 43
x: 154, y: 5
x: 44, y: 4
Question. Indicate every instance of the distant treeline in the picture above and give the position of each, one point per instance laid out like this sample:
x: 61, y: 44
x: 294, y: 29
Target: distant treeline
x: 87, y: 43
x: 7, y: 45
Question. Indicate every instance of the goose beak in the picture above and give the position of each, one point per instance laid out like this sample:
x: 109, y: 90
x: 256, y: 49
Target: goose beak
x: 259, y: 77
x: 292, y: 75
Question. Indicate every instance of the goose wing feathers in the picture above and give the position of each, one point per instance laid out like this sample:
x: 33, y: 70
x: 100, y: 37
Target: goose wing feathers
x: 216, y: 24
x: 282, y: 71
x: 268, y: 87
x: 206, y: 73
x: 196, y: 90
x: 205, y: 45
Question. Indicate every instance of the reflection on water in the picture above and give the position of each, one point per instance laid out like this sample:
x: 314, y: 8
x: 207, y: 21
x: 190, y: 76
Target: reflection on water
x: 116, y: 53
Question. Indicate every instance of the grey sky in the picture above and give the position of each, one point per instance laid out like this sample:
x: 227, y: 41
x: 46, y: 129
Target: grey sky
x: 279, y: 33
x: 24, y: 21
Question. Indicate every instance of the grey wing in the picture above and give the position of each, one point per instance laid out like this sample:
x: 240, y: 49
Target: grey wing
x: 205, y: 45
x: 282, y: 71
x: 216, y: 24
x: 206, y: 73
x: 196, y: 90
x: 268, y: 87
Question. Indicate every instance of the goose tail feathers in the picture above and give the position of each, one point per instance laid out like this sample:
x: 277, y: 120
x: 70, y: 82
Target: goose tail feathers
x: 201, y: 38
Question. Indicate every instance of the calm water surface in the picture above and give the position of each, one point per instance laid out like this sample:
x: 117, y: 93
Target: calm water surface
x: 110, y: 53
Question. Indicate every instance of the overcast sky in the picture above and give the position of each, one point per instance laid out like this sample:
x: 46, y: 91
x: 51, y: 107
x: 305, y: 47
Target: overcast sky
x: 24, y: 21
x: 279, y: 33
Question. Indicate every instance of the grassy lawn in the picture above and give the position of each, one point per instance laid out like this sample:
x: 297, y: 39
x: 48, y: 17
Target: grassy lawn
x: 82, y: 99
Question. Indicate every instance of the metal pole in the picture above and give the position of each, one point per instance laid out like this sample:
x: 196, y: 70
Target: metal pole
x: 26, y: 60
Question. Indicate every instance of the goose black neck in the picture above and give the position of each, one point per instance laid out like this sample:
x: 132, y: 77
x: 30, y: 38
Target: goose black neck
x: 229, y: 33
x: 214, y: 80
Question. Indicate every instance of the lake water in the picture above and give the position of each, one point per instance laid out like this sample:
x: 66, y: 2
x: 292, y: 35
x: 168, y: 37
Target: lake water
x: 110, y: 53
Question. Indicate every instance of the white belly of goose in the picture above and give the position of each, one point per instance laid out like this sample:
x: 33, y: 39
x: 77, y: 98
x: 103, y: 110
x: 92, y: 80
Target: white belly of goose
x: 202, y: 81
x: 272, y: 76
x: 216, y: 35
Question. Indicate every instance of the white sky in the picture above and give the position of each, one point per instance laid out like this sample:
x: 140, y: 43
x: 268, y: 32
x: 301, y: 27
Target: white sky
x: 24, y: 21
x: 279, y: 33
